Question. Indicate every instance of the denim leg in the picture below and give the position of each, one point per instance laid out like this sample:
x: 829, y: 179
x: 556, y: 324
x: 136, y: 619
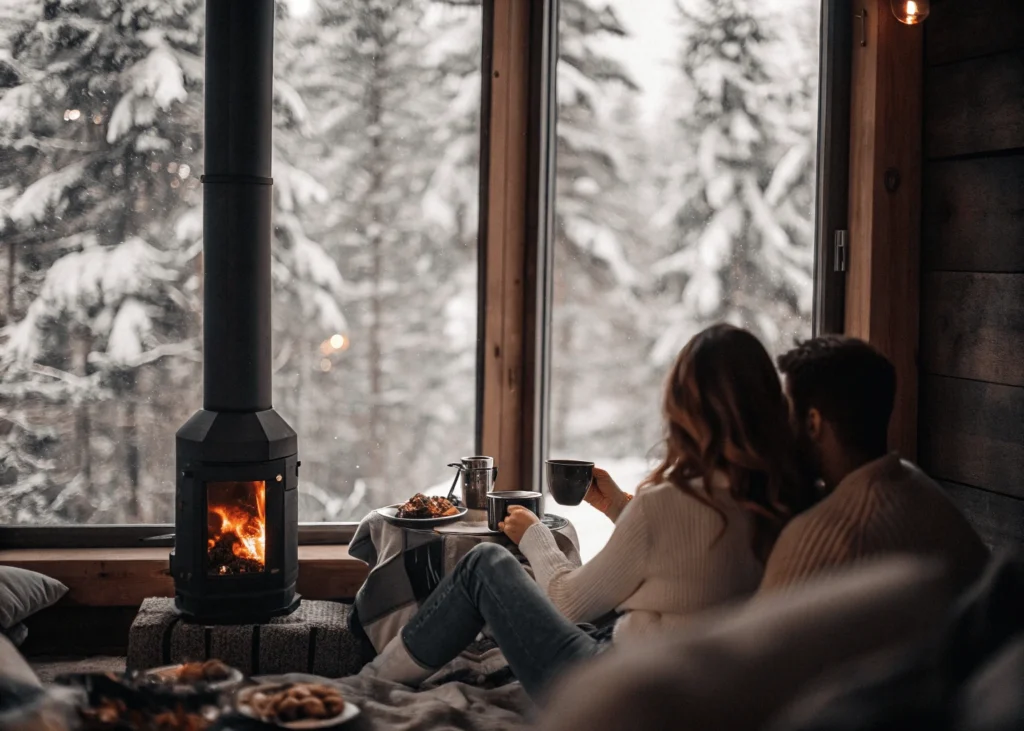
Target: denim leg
x: 490, y: 587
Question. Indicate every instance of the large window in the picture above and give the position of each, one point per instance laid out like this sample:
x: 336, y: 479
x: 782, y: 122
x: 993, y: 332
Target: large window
x: 684, y: 196
x: 375, y: 263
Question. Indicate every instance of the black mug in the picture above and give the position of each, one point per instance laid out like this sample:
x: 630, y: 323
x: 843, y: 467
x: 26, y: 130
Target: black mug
x: 500, y: 501
x: 569, y: 480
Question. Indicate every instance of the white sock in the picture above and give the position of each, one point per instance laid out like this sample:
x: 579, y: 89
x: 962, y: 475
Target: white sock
x: 394, y: 663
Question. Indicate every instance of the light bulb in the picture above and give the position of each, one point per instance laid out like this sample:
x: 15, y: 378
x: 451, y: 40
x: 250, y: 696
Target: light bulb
x: 911, y: 12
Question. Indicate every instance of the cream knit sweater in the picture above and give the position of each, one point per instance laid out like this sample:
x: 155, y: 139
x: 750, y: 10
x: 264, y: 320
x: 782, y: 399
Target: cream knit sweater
x: 661, y: 563
x: 884, y: 506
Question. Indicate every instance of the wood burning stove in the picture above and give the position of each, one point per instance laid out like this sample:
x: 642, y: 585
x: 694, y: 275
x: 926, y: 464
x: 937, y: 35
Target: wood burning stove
x: 235, y: 556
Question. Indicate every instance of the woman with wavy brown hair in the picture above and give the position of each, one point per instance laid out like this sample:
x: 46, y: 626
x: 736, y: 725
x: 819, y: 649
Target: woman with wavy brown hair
x: 696, y: 534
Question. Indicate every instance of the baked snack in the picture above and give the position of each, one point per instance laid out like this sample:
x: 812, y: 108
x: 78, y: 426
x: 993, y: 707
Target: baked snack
x: 210, y: 671
x: 297, y: 702
x: 421, y: 506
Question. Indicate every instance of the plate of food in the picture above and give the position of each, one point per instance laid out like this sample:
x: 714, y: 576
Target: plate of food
x: 203, y: 679
x: 295, y: 705
x: 421, y: 511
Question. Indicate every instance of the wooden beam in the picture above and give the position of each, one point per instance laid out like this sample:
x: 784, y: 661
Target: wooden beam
x: 972, y: 214
x: 972, y: 433
x: 961, y: 29
x: 885, y: 201
x: 504, y: 397
x: 123, y: 577
x: 998, y: 519
x: 971, y: 326
x: 975, y: 106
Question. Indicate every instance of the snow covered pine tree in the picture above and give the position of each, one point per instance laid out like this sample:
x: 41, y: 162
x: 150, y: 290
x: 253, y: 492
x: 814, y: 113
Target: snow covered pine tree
x: 740, y: 246
x: 100, y: 359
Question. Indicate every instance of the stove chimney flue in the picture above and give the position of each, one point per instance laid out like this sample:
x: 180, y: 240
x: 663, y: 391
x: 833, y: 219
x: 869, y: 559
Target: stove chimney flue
x: 237, y: 204
x: 235, y: 557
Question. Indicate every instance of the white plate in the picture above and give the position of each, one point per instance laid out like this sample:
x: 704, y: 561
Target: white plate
x: 350, y: 711
x: 390, y: 514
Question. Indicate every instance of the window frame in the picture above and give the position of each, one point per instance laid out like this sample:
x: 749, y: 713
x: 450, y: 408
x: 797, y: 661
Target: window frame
x: 831, y: 208
x: 515, y: 257
x: 833, y: 164
x: 112, y: 535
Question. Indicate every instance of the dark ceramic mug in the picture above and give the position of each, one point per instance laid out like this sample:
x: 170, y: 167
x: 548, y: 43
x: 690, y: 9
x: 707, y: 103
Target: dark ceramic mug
x: 499, y: 502
x: 569, y: 480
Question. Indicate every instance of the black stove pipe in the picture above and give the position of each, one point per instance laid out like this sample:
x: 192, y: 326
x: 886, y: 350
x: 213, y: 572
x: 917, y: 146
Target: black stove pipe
x: 237, y: 204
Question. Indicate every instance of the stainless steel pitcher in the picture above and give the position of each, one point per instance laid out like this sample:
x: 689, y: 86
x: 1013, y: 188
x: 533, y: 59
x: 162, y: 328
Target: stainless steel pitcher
x: 478, y: 476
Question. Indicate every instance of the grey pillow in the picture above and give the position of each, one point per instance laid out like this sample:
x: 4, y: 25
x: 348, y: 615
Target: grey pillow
x: 23, y: 593
x: 735, y: 667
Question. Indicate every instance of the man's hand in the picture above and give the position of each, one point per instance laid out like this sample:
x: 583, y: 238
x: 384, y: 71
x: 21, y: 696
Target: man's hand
x: 517, y: 522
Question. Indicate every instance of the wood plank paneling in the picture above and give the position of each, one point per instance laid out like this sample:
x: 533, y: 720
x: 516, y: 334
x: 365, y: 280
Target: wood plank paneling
x: 998, y: 519
x: 973, y: 433
x: 972, y: 326
x: 975, y: 106
x: 883, y: 278
x: 961, y: 29
x: 973, y: 215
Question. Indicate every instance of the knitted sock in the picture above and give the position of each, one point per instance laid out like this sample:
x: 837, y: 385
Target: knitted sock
x: 395, y: 663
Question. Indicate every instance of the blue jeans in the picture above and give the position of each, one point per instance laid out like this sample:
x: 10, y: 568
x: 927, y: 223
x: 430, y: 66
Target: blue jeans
x: 490, y: 587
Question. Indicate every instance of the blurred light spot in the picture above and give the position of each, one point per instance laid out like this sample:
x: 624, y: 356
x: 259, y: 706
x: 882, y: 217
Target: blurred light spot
x: 70, y: 115
x: 184, y: 171
x: 97, y: 119
x: 325, y: 365
x: 172, y: 167
x: 337, y: 341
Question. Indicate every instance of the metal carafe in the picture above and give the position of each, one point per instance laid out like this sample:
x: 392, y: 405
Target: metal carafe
x: 478, y: 477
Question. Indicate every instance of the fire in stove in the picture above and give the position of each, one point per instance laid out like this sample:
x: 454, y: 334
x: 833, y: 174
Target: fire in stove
x: 236, y: 527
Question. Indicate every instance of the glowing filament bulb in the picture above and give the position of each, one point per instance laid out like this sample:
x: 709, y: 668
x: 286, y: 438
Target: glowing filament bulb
x: 911, y: 12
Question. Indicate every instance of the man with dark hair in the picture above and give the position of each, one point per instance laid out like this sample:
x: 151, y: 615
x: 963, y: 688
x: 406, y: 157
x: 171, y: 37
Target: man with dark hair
x: 841, y: 393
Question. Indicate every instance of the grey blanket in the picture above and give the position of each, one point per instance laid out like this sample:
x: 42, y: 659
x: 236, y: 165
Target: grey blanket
x: 406, y: 566
x: 458, y: 706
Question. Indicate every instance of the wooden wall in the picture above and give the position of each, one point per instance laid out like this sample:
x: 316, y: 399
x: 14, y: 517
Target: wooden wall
x: 971, y: 417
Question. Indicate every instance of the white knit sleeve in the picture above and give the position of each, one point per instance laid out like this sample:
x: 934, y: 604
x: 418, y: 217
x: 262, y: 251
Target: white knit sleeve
x: 603, y: 583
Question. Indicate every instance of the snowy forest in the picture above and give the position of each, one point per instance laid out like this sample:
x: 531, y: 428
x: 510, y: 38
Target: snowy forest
x: 684, y: 196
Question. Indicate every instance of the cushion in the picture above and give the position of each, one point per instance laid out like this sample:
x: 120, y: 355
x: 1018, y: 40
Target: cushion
x: 13, y: 666
x: 735, y: 668
x: 23, y: 593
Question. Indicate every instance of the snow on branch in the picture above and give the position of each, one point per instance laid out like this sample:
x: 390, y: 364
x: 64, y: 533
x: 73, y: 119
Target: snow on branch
x: 47, y: 193
x: 156, y: 82
x: 295, y: 188
x: 17, y: 106
x: 84, y: 280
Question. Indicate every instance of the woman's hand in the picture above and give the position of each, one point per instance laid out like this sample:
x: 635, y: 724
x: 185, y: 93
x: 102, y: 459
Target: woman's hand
x: 517, y: 522
x: 603, y: 493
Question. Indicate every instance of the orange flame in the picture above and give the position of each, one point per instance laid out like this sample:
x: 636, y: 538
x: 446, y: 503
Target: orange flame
x: 241, y: 508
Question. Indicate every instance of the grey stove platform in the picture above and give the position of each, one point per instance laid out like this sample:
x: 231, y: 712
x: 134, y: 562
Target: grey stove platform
x: 314, y: 639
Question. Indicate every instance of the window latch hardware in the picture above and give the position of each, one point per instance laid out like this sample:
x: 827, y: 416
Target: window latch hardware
x: 863, y: 16
x: 842, y: 248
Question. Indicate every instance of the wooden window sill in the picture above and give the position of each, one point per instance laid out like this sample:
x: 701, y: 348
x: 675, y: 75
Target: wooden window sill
x: 123, y: 577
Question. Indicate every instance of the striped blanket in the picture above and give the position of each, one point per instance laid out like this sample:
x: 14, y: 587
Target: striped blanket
x: 406, y: 566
